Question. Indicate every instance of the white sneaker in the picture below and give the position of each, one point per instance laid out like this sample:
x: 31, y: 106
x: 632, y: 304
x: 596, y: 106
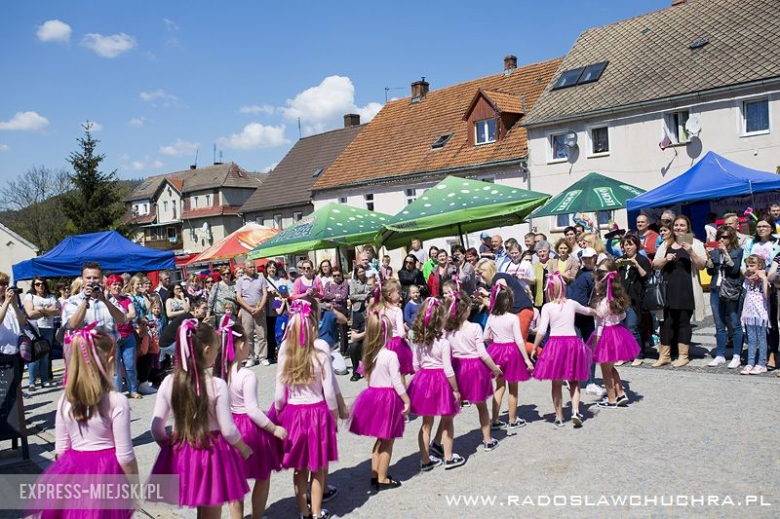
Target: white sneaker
x: 595, y: 389
x: 735, y: 362
x: 146, y: 388
x: 249, y: 363
x: 717, y: 361
x: 265, y: 362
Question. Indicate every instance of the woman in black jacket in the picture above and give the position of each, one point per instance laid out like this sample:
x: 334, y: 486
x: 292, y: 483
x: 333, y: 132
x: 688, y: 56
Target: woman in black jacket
x: 725, y: 293
x: 634, y: 269
x: 409, y: 275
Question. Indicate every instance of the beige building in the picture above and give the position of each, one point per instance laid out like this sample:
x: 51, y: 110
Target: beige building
x: 14, y: 249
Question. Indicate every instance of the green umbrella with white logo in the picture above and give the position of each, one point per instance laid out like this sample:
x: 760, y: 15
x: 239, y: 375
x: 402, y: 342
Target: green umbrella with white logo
x: 594, y: 193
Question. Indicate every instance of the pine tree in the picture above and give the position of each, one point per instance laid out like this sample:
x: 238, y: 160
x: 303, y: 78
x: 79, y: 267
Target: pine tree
x: 95, y: 202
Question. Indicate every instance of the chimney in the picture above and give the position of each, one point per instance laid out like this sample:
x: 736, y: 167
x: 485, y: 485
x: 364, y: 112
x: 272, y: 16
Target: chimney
x: 419, y: 89
x: 510, y: 63
x: 351, y: 120
x: 193, y: 166
x: 678, y: 2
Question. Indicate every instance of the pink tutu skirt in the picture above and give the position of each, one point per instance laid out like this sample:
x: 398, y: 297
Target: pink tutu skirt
x: 510, y: 360
x: 311, y: 436
x: 378, y: 412
x: 267, y: 450
x: 83, y: 468
x: 400, y: 347
x: 207, y: 477
x: 475, y: 380
x: 616, y: 343
x: 431, y: 395
x: 564, y: 358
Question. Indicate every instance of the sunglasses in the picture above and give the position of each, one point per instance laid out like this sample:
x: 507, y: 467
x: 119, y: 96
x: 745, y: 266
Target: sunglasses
x: 38, y: 284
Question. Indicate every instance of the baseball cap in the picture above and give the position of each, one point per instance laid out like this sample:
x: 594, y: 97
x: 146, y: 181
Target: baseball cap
x: 283, y: 289
x: 292, y: 270
x: 589, y: 252
x: 484, y: 235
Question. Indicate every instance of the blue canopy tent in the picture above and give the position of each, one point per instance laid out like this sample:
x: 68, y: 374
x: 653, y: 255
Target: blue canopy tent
x: 712, y: 178
x: 111, y: 250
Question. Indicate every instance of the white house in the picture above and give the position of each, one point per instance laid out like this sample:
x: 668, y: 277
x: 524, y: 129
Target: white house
x: 14, y: 249
x: 629, y: 89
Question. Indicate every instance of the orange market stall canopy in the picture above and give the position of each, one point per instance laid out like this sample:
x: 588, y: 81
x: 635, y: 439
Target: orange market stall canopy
x: 238, y: 243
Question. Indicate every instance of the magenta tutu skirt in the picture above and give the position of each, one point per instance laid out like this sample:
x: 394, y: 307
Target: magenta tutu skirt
x: 207, y: 477
x: 616, y: 343
x: 475, y: 380
x: 84, y: 468
x: 431, y: 395
x: 311, y: 436
x: 378, y: 412
x: 510, y: 360
x: 267, y: 450
x: 400, y: 347
x: 564, y: 358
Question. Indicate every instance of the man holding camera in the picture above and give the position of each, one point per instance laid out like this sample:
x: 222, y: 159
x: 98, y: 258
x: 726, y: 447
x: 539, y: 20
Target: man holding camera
x: 90, y: 305
x: 12, y: 318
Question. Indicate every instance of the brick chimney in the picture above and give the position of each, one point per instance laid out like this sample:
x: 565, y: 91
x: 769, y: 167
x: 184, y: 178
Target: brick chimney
x: 419, y: 89
x: 678, y: 2
x: 351, y: 120
x: 510, y: 62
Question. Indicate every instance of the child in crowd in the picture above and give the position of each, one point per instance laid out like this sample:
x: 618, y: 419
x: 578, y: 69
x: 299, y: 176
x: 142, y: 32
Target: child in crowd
x: 91, y: 426
x: 205, y: 448
x: 611, y: 342
x: 306, y: 404
x: 755, y: 316
x: 388, y: 299
x: 565, y: 356
x: 433, y: 390
x: 379, y: 410
x: 473, y: 366
x: 385, y: 270
x: 507, y: 349
x: 257, y: 430
x: 410, y: 310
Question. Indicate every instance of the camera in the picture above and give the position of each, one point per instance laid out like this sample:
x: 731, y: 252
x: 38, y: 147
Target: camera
x: 17, y: 290
x: 96, y: 288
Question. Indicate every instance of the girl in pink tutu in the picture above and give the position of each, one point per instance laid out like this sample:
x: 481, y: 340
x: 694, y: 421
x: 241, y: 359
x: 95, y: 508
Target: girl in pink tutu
x: 611, y: 342
x: 257, y: 430
x: 507, y: 349
x: 306, y: 403
x: 388, y: 298
x: 379, y: 410
x: 474, y: 368
x: 91, y: 427
x: 433, y: 390
x: 565, y: 356
x: 205, y: 448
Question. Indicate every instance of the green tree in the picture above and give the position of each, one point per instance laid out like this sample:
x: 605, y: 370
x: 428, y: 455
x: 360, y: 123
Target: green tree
x: 95, y: 202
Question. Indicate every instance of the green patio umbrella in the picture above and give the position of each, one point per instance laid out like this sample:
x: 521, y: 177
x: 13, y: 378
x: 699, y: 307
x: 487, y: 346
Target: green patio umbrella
x: 329, y: 227
x: 460, y: 205
x: 593, y: 193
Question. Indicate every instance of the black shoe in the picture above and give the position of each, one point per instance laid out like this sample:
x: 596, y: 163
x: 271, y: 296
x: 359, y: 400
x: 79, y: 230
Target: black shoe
x: 391, y: 483
x: 489, y: 446
x: 606, y: 404
x: 436, y: 449
x: 512, y: 427
x: 496, y: 426
x: 622, y: 401
x: 560, y: 423
x: 375, y: 481
x: 324, y: 514
x: 464, y: 404
x: 456, y: 461
x: 329, y: 494
x: 427, y: 467
x: 576, y: 419
x: 355, y: 377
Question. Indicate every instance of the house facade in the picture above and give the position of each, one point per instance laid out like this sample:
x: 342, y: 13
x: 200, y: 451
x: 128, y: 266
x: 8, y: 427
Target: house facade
x: 15, y: 249
x: 643, y: 99
x: 471, y: 129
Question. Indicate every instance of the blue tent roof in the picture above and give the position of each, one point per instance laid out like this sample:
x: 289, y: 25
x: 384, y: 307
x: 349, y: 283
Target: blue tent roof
x: 114, y: 252
x: 711, y: 178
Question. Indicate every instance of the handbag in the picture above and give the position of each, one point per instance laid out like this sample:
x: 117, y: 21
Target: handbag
x: 655, y: 292
x: 35, y: 347
x: 729, y: 289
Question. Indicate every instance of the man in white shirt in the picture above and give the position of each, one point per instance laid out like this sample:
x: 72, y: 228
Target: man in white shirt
x: 732, y: 220
x: 418, y: 252
x: 91, y: 304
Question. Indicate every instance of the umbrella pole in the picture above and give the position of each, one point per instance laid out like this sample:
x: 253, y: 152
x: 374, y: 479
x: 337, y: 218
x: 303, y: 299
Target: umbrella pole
x: 338, y: 256
x: 460, y: 235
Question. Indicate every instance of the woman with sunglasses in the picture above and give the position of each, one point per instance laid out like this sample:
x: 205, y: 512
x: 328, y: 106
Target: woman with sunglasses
x: 307, y: 285
x: 177, y: 304
x: 409, y: 276
x: 337, y: 293
x: 41, y: 307
x: 222, y: 293
x: 725, y: 294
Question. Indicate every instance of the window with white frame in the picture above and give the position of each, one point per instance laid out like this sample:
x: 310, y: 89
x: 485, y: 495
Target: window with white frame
x: 208, y: 197
x: 369, y: 201
x: 297, y: 215
x: 485, y: 131
x: 558, y: 151
x: 165, y: 206
x: 146, y: 209
x: 277, y: 221
x: 268, y: 223
x: 675, y: 126
x: 755, y: 117
x: 342, y: 199
x: 195, y: 201
x: 172, y: 236
x: 599, y: 140
x: 135, y: 208
x: 411, y: 195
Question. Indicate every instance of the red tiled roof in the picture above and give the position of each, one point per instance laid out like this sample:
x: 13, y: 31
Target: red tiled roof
x: 203, y: 212
x: 398, y: 140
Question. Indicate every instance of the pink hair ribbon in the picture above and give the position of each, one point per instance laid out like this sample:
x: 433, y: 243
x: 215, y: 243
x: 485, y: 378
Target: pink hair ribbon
x: 456, y: 279
x: 493, y: 294
x: 228, y: 347
x: 378, y: 289
x: 87, y: 345
x: 454, y: 306
x: 431, y: 303
x: 186, y: 349
x: 301, y: 309
x: 608, y: 279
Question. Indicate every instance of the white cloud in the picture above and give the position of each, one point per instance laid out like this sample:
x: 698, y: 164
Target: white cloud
x: 257, y: 109
x: 179, y: 147
x: 170, y: 25
x: 54, y: 30
x: 93, y: 126
x: 109, y: 46
x: 25, y: 121
x: 144, y: 164
x: 256, y: 135
x: 323, y: 106
x: 160, y: 98
x: 137, y: 121
x: 5, y: 147
x: 269, y: 168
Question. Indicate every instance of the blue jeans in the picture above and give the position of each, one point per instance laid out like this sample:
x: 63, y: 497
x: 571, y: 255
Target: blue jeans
x: 41, y: 366
x: 125, y: 356
x: 756, y: 337
x: 726, y: 313
x: 631, y: 322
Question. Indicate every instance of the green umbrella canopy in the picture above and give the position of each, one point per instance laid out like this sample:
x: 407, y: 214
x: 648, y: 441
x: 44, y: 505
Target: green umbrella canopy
x: 460, y: 205
x: 594, y: 192
x: 328, y: 227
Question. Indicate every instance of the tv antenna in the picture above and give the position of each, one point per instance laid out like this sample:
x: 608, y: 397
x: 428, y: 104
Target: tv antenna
x: 215, y: 154
x: 387, y: 89
x: 196, y: 157
x: 299, y: 129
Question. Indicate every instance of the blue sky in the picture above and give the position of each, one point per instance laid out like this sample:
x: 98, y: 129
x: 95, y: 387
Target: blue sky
x: 162, y: 79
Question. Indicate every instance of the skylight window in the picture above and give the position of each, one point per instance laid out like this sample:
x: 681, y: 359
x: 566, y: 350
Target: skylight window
x: 318, y: 173
x: 580, y: 76
x: 441, y: 141
x: 592, y: 73
x: 568, y: 78
x: 698, y: 43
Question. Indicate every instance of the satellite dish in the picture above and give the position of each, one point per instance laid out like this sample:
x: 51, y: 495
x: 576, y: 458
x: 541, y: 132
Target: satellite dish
x: 693, y: 125
x: 570, y: 139
x: 205, y: 227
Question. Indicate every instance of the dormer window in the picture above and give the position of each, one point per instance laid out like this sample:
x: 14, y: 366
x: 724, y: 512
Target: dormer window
x: 485, y: 131
x: 441, y: 141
